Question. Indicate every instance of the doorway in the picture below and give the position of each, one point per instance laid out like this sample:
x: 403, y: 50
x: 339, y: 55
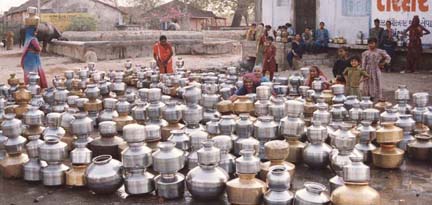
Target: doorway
x: 305, y: 15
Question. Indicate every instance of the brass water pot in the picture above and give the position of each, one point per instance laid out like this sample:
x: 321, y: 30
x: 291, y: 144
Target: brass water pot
x: 355, y: 194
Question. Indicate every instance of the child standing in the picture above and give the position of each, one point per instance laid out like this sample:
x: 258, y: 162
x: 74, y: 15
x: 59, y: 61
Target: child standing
x: 269, y: 64
x: 354, y: 75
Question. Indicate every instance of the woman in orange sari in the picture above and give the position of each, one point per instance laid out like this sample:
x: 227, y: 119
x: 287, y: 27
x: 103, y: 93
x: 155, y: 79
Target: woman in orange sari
x: 162, y: 53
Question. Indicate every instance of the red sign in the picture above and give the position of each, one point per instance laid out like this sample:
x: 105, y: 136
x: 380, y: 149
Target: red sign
x: 403, y: 5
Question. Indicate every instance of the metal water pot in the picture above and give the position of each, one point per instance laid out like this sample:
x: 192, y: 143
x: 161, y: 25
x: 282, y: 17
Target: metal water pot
x: 263, y: 92
x: 350, y: 101
x: 192, y: 94
x: 82, y: 124
x: 244, y: 126
x: 192, y: 114
x: 172, y: 112
x: 227, y: 160
x: 421, y: 99
x: 168, y: 159
x: 312, y: 194
x: 402, y: 93
x: 138, y: 181
x: 322, y: 115
x: 262, y: 107
x: 33, y: 117
x: 278, y: 108
x: 104, y: 175
x: 181, y: 139
x: 53, y: 129
x: 294, y: 107
x: 137, y: 155
x: 292, y: 126
x: 366, y: 103
x: 207, y: 181
x: 208, y: 154
x: 227, y: 125
x: 279, y: 181
x: 81, y: 155
x: 53, y: 151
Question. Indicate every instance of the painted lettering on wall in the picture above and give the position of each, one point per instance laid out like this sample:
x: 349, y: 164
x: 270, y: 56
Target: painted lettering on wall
x: 403, y: 5
x: 401, y: 12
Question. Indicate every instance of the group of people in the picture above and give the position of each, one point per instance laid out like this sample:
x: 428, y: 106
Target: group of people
x: 265, y: 35
x: 387, y: 40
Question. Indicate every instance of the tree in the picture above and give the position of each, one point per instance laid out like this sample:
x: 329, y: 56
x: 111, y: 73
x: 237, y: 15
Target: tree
x: 239, y: 8
x: 145, y: 4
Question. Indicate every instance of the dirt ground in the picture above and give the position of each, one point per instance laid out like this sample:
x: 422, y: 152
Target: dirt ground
x: 410, y: 184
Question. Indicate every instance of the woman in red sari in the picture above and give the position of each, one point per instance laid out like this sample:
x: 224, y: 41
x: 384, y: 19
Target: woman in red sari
x: 162, y: 53
x: 415, y: 32
x: 269, y: 64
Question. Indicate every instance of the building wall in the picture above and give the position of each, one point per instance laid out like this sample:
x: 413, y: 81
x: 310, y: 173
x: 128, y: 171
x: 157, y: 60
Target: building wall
x: 277, y: 12
x: 338, y: 22
x: 106, y: 16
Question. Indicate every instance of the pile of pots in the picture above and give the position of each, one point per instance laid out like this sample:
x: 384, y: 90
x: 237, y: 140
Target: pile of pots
x: 168, y: 133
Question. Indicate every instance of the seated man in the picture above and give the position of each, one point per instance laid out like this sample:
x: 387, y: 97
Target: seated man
x: 321, y: 38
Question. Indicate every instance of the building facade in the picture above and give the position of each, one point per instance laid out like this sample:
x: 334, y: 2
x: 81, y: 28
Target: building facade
x: 346, y: 18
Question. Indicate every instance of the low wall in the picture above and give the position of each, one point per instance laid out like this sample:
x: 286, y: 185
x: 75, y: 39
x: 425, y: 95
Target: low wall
x: 93, y: 51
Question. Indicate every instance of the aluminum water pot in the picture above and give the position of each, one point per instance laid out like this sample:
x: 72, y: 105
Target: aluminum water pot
x: 137, y: 155
x: 338, y: 112
x: 207, y: 181
x: 421, y: 99
x: 265, y: 129
x: 227, y: 160
x: 138, y: 112
x: 33, y: 117
x: 82, y: 125
x: 138, y: 181
x: 402, y: 93
x: 11, y: 126
x: 350, y: 101
x: 367, y: 133
x: 322, y: 115
x: 168, y: 159
x: 104, y: 175
x: 53, y: 129
x: 366, y: 102
x: 244, y: 126
x: 172, y: 112
x: 312, y: 194
x: 389, y: 115
x: 355, y: 112
x: 262, y: 107
x: 53, y: 150
x: 278, y: 108
x: 192, y: 94
x: 181, y: 139
x: 154, y: 95
x: 54, y: 174
x: 247, y: 163
x: 370, y: 114
x: 294, y: 107
x: 279, y: 183
x: 227, y: 125
x: 209, y: 154
x: 263, y: 92
x: 81, y: 155
x: 292, y: 126
x: 212, y: 127
x: 133, y: 133
x: 192, y: 114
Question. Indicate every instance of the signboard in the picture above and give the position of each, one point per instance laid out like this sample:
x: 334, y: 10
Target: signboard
x: 60, y: 20
x: 401, y: 13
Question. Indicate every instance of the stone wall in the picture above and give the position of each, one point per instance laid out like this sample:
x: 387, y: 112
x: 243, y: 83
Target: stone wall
x: 107, y: 17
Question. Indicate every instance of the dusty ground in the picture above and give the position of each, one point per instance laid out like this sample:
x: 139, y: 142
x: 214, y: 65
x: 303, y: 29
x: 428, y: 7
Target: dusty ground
x: 410, y: 184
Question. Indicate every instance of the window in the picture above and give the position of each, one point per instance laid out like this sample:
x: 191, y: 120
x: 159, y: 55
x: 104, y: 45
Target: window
x: 356, y: 7
x: 282, y: 3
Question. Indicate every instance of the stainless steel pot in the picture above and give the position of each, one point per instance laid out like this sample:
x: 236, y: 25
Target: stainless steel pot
x: 104, y: 176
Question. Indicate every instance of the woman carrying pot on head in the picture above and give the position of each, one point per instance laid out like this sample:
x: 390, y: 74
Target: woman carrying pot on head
x: 250, y: 83
x: 30, y: 60
x: 315, y: 72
